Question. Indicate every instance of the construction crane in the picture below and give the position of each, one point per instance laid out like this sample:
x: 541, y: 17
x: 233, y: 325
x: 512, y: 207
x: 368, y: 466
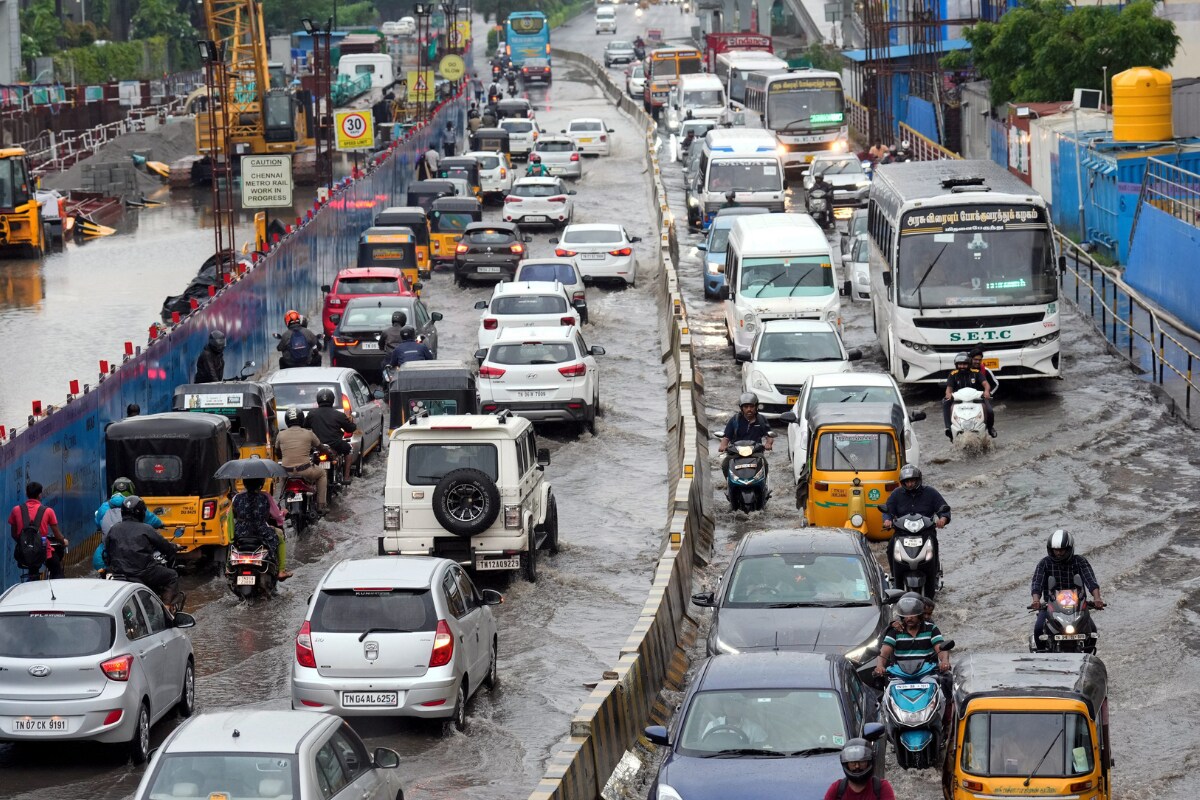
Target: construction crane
x: 21, y: 232
x: 259, y: 118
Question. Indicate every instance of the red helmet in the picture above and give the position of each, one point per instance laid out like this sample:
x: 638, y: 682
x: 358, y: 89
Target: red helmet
x: 534, y: 158
x: 291, y: 318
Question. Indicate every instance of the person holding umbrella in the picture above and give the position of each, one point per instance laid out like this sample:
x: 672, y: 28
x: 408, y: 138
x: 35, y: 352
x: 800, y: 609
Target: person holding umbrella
x: 254, y: 510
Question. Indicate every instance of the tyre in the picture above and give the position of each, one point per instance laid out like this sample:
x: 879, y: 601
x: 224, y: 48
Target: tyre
x: 466, y: 502
x: 139, y: 744
x: 358, y: 463
x: 187, y: 698
x: 529, y: 561
x: 549, y: 529
x: 492, y: 679
x: 243, y: 592
x: 591, y: 419
x: 458, y: 719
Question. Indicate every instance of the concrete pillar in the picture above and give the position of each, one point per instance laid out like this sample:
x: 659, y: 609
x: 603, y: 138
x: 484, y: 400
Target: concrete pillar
x: 764, y: 16
x: 743, y: 18
x: 10, y: 42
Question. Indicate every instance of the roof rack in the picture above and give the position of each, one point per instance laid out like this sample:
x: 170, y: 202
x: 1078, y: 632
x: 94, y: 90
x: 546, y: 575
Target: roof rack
x: 503, y: 415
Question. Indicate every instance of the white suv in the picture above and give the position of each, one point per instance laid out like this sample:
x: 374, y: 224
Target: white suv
x: 469, y: 488
x: 543, y: 374
x: 527, y: 304
x: 495, y: 173
x: 522, y: 134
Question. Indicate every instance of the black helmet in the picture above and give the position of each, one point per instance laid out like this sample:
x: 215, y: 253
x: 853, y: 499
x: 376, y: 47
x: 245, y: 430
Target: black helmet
x: 122, y: 486
x: 748, y: 399
x: 399, y: 318
x: 134, y: 507
x: 325, y: 397
x: 1060, y: 540
x: 407, y: 333
x: 294, y: 417
x: 962, y: 358
x: 910, y: 472
x: 910, y: 605
x: 216, y: 341
x: 858, y: 750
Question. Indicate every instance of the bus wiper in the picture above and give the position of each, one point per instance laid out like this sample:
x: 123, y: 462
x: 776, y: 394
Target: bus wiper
x: 796, y: 285
x: 920, y: 283
x: 1043, y: 758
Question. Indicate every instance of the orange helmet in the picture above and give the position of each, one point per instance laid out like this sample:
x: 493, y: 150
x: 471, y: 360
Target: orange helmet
x: 291, y: 318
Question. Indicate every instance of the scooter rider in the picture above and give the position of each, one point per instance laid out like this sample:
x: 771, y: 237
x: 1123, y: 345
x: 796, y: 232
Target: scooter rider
x: 409, y: 349
x: 294, y: 446
x: 129, y: 549
x: 858, y: 762
x: 914, y: 497
x: 210, y: 366
x: 1062, y: 564
x: 962, y: 377
x: 109, y: 514
x: 536, y: 168
x: 917, y: 639
x: 746, y: 425
x: 329, y: 423
x: 298, y: 343
x: 393, y: 335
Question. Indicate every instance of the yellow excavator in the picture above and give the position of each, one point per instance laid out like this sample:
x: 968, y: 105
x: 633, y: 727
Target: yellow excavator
x: 21, y: 232
x: 261, y: 118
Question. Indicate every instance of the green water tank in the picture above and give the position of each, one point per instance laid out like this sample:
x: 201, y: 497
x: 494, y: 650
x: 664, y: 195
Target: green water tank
x: 1141, y: 100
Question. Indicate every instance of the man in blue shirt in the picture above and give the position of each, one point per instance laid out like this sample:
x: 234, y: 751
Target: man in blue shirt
x: 746, y: 425
x: 409, y: 349
x: 109, y: 514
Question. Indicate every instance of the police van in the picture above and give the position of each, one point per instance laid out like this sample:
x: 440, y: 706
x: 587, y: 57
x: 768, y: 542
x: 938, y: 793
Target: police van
x: 737, y: 166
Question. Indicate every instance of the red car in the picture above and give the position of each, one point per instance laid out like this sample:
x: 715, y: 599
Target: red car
x: 536, y: 69
x: 359, y: 282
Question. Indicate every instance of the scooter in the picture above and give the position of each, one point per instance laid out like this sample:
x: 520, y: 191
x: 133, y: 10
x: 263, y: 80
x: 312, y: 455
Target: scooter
x: 1069, y: 625
x: 915, y: 567
x: 914, y: 712
x: 176, y: 605
x: 301, y: 496
x: 747, y: 478
x: 818, y: 208
x: 251, y: 568
x: 967, y: 424
x: 639, y: 52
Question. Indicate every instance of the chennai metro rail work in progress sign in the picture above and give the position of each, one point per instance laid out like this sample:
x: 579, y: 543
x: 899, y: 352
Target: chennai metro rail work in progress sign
x: 266, y: 181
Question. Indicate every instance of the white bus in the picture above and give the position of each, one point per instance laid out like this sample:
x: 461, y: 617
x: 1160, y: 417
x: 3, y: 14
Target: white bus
x: 733, y: 66
x: 738, y: 163
x: 805, y: 109
x: 962, y: 254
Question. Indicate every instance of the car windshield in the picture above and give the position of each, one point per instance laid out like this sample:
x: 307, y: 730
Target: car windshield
x: 858, y: 224
x: 530, y: 353
x: 303, y: 395
x: 999, y: 743
x: 799, y: 346
x: 55, y: 634
x: 852, y: 394
x: 803, y: 578
x: 537, y: 190
x: 856, y: 452
x: 358, y: 286
x: 555, y: 146
x: 529, y: 304
x: 452, y: 221
x: 426, y: 464
x: 358, y: 610
x: 806, y: 276
x: 757, y: 175
x: 563, y: 273
x: 489, y: 237
x: 703, y: 97
x: 786, y: 721
x: 372, y: 317
x: 843, y: 166
x: 592, y: 237
x: 231, y: 775
x: 517, y: 126
x: 638, y: 72
x: 587, y: 125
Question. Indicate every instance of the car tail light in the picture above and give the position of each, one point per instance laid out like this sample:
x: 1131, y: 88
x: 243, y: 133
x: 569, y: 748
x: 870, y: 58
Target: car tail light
x: 512, y: 199
x: 561, y: 253
x: 517, y: 248
x: 443, y: 646
x: 340, y: 342
x: 578, y: 296
x: 490, y: 324
x: 209, y: 509
x: 333, y: 301
x: 604, y: 138
x: 574, y: 156
x: 566, y: 320
x: 558, y: 199
x: 462, y: 248
x: 491, y: 373
x: 512, y: 516
x: 624, y: 251
x: 346, y: 404
x: 113, y: 716
x: 488, y: 408
x: 574, y: 371
x: 117, y: 669
x: 503, y: 173
x: 305, y: 656
x: 525, y: 70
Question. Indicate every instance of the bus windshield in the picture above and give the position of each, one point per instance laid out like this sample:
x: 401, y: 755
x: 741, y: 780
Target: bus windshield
x: 674, y: 66
x: 1001, y: 257
x: 805, y: 276
x: 761, y: 175
x: 804, y: 109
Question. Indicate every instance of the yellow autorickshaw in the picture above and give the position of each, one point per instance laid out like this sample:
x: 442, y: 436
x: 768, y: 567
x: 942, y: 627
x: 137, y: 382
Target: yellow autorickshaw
x: 464, y: 167
x: 248, y: 405
x: 450, y: 215
x: 390, y: 247
x: 416, y: 219
x: 1028, y: 725
x: 855, y: 452
x: 171, y: 458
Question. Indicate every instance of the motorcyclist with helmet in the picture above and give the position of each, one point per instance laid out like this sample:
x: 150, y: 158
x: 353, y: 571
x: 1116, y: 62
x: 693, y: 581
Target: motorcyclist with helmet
x: 254, y: 511
x: 904, y: 153
x: 914, y: 497
x: 109, y: 514
x: 393, y: 335
x: 297, y: 344
x: 129, y: 548
x: 965, y: 376
x: 746, y: 425
x: 409, y: 349
x: 536, y: 168
x: 1063, y: 564
x: 860, y: 783
x: 210, y: 366
x: 329, y: 424
x: 294, y: 446
x: 918, y: 638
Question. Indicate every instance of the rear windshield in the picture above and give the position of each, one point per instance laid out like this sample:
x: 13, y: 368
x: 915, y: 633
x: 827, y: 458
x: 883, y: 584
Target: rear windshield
x: 158, y: 468
x: 536, y: 190
x: 592, y: 237
x: 302, y: 395
x: 460, y: 173
x: 529, y: 353
x: 555, y: 147
x: 517, y: 126
x: 378, y: 317
x: 367, y: 286
x: 529, y: 304
x: 55, y: 634
x: 198, y: 775
x: 587, y: 126
x: 841, y: 452
x: 427, y: 464
x: 357, y: 610
x: 488, y: 162
x: 451, y: 221
x: 563, y: 273
x: 488, y: 237
x: 389, y: 255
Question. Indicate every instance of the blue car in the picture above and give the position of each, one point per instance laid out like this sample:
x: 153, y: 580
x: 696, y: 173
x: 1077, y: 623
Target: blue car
x: 713, y: 247
x: 764, y: 725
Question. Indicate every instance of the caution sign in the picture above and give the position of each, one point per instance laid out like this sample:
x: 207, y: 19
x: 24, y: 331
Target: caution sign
x: 355, y: 130
x: 420, y: 86
x: 460, y: 34
x: 266, y: 181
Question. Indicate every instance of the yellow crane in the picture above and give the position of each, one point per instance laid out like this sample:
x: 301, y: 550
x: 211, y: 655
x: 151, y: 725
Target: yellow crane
x: 20, y: 213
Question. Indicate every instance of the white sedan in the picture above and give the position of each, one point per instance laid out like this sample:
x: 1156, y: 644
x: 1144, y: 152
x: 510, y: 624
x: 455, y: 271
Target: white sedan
x: 602, y: 251
x: 539, y: 201
x: 847, y: 387
x: 785, y: 354
x: 591, y: 136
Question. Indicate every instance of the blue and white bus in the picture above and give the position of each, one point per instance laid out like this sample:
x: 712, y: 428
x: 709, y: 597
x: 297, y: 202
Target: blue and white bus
x: 526, y: 35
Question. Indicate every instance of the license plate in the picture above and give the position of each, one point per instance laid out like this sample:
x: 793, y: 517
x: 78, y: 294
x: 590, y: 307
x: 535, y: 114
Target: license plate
x: 991, y: 363
x: 808, y: 159
x: 367, y: 699
x: 912, y: 541
x: 47, y: 725
x: 498, y: 563
x: 557, y: 170
x: 297, y: 498
x: 585, y: 141
x: 369, y: 345
x: 531, y: 394
x: 489, y: 269
x: 911, y: 687
x: 324, y: 465
x: 535, y: 219
x: 791, y: 399
x: 1069, y: 637
x: 246, y: 580
x: 592, y: 256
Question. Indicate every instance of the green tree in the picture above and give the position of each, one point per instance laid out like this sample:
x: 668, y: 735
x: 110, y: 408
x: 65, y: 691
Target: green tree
x: 1044, y: 49
x: 40, y: 29
x: 283, y: 16
x: 161, y: 18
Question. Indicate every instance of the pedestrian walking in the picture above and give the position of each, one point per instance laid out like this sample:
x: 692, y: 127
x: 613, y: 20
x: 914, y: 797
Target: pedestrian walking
x: 37, y: 539
x: 449, y: 139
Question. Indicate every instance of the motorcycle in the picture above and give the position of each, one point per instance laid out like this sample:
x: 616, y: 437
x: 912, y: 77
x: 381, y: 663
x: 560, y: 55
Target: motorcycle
x: 639, y: 52
x: 1069, y: 625
x: 967, y: 424
x: 301, y: 496
x: 915, y: 566
x: 747, y: 477
x: 914, y: 712
x: 251, y: 568
x: 176, y: 605
x: 818, y: 208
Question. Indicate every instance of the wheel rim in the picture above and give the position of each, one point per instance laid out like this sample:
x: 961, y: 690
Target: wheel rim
x: 465, y: 503
x: 143, y: 731
x: 460, y: 714
x: 189, y: 687
x: 494, y: 672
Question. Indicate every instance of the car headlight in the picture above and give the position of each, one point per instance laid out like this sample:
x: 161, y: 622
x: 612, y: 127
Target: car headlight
x: 920, y: 348
x: 863, y: 280
x: 759, y: 381
x: 860, y: 654
x: 831, y: 315
x: 750, y: 318
x: 665, y: 792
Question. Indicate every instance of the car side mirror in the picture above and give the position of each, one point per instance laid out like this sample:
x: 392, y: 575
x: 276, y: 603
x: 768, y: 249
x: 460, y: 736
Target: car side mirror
x: 741, y: 358
x: 854, y: 355
x: 872, y: 731
x: 704, y: 599
x: 562, y: 130
x: 543, y: 457
x: 418, y: 286
x: 481, y: 304
x: 916, y: 416
x: 788, y: 416
x: 326, y: 288
x: 436, y: 316
x: 635, y: 239
x: 553, y: 241
x: 892, y: 595
x: 527, y: 239
x: 491, y: 597
x: 657, y: 734
x: 887, y: 278
x: 277, y: 335
x: 596, y: 350
x: 480, y: 355
x: 612, y: 130
x: 385, y: 758
x: 184, y: 620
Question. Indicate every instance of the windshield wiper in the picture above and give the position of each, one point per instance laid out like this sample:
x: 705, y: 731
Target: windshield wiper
x: 770, y: 281
x: 369, y: 631
x: 800, y: 280
x: 746, y: 751
x: 920, y: 283
x: 1043, y: 758
x: 814, y: 751
x: 849, y: 463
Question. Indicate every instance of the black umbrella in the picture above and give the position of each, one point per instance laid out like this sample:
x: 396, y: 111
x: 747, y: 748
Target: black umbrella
x: 250, y: 468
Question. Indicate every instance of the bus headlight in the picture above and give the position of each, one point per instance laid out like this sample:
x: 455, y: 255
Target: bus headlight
x: 840, y: 146
x: 1047, y: 339
x: 920, y: 348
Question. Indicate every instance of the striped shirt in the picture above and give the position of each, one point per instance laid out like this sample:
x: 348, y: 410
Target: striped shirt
x: 1064, y: 573
x: 908, y: 646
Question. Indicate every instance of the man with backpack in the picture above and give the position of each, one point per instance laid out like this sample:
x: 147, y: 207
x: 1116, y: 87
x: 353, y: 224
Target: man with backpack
x: 297, y: 344
x: 33, y: 526
x: 858, y: 762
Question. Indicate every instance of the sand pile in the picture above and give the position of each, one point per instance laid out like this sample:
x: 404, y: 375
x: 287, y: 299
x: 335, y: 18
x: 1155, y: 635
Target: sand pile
x: 170, y: 142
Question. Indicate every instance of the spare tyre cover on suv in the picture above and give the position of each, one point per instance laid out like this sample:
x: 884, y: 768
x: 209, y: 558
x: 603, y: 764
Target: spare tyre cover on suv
x: 466, y: 502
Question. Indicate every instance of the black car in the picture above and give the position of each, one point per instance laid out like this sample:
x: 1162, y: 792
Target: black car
x: 355, y: 341
x: 489, y: 251
x: 817, y: 590
x: 536, y: 69
x: 514, y: 107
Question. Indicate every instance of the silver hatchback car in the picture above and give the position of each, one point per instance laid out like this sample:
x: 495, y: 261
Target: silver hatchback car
x: 86, y: 659
x: 560, y: 155
x: 406, y: 636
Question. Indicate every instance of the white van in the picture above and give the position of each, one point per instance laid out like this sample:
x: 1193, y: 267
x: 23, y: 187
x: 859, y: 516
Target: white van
x: 744, y: 161
x: 377, y: 65
x: 606, y: 20
x: 699, y: 96
x: 777, y: 266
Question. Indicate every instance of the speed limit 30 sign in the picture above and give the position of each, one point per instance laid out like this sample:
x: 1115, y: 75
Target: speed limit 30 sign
x: 355, y: 130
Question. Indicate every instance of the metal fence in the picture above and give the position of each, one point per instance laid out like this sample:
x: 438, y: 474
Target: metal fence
x: 1171, y: 189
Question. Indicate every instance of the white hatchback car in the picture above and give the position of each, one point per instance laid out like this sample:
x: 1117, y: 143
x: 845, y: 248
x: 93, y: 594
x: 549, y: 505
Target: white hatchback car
x: 542, y: 374
x: 590, y: 135
x: 856, y: 268
x: 419, y: 642
x: 563, y: 270
x: 539, y: 201
x: 522, y: 134
x: 847, y: 387
x: 603, y: 251
x: 495, y: 173
x: 528, y: 304
x: 785, y: 354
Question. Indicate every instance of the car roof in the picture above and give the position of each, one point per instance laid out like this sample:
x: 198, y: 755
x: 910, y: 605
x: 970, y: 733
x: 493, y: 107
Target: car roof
x: 541, y: 334
x: 310, y: 375
x: 257, y: 731
x: 584, y: 119
x: 538, y: 181
x: 851, y: 379
x: 369, y: 272
x: 611, y: 227
x: 555, y: 137
x: 393, y: 572
x: 799, y: 326
x: 461, y: 423
x: 835, y: 157
x: 777, y: 669
x: 566, y: 262
x: 527, y: 287
x: 808, y: 540
x: 63, y: 594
